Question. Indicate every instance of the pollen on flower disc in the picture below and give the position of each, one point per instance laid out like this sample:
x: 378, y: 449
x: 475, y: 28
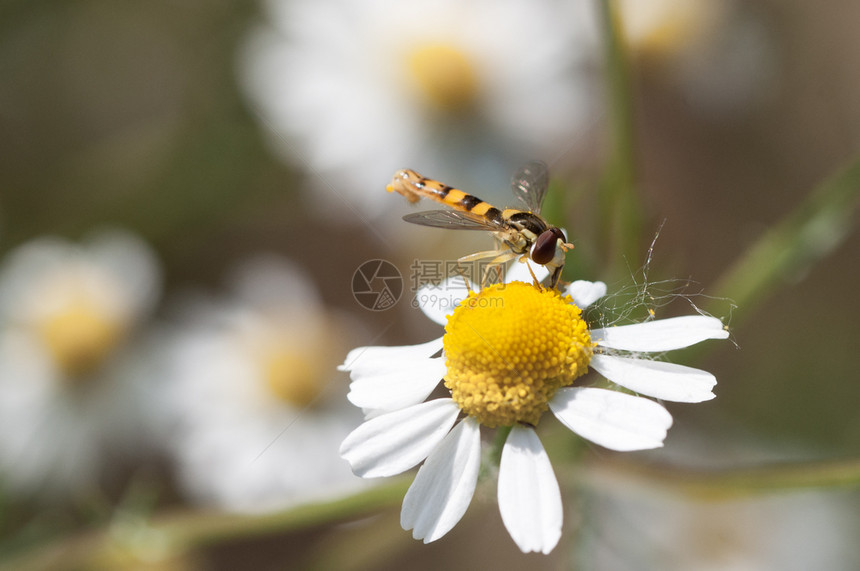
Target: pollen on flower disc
x: 508, y: 349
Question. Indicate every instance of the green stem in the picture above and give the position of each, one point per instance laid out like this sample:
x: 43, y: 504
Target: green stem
x: 184, y: 531
x: 181, y: 533
x: 793, y: 245
x: 727, y: 483
x: 495, y: 455
x: 619, y: 204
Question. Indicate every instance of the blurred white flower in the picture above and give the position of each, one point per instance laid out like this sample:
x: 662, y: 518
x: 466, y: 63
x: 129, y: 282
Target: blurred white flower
x: 70, y: 387
x: 717, y: 52
x: 352, y: 91
x: 630, y: 528
x: 254, y: 414
x: 665, y: 27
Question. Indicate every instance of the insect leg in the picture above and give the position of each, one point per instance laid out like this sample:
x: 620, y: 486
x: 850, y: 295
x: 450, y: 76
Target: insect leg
x: 497, y: 263
x: 534, y: 277
x: 479, y: 255
x: 556, y: 274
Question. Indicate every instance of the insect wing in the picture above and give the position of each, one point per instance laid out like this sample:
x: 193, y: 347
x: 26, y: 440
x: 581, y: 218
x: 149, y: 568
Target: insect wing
x: 530, y: 184
x: 452, y: 220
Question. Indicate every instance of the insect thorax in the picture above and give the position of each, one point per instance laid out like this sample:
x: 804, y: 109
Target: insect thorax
x: 528, y: 227
x: 527, y: 222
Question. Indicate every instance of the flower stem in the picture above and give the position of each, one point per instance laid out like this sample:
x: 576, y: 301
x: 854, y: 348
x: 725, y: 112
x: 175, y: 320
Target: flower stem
x: 495, y: 454
x: 182, y: 532
x: 619, y: 205
x: 726, y: 483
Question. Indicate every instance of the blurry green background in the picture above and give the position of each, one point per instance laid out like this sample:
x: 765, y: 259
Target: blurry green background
x: 129, y: 114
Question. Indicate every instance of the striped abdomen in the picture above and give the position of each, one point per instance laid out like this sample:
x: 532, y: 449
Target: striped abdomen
x: 414, y: 186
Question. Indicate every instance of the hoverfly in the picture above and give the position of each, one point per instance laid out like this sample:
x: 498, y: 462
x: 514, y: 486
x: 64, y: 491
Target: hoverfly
x: 523, y: 232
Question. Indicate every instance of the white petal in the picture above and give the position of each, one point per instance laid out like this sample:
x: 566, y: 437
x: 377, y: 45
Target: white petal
x: 394, y: 442
x: 656, y: 378
x: 615, y: 420
x: 438, y: 302
x: 445, y: 484
x: 519, y: 272
x: 365, y: 355
x: 382, y: 386
x: 585, y: 293
x: 130, y: 260
x: 661, y: 335
x: 529, y: 497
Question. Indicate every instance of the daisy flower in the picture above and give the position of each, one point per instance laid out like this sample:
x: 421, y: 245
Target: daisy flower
x: 694, y: 38
x: 664, y: 27
x: 510, y: 353
x: 71, y: 389
x: 354, y: 89
x: 253, y: 419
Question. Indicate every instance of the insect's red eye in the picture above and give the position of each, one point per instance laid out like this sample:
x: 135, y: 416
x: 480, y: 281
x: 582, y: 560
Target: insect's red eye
x: 544, y: 248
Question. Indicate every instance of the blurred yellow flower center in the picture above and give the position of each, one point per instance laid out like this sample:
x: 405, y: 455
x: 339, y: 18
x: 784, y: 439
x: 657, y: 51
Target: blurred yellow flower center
x: 666, y: 26
x: 508, y: 349
x: 80, y: 336
x: 292, y: 376
x: 444, y: 76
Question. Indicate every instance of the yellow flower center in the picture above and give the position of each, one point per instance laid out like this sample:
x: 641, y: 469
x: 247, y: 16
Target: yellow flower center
x: 444, y: 76
x: 80, y: 336
x: 508, y: 349
x: 666, y: 26
x: 293, y: 377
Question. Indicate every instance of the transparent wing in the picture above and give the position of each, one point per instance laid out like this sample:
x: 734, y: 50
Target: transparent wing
x: 530, y: 184
x: 452, y: 220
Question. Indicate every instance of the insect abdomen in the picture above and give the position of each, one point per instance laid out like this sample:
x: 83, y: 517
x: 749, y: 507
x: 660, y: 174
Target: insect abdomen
x: 414, y: 186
